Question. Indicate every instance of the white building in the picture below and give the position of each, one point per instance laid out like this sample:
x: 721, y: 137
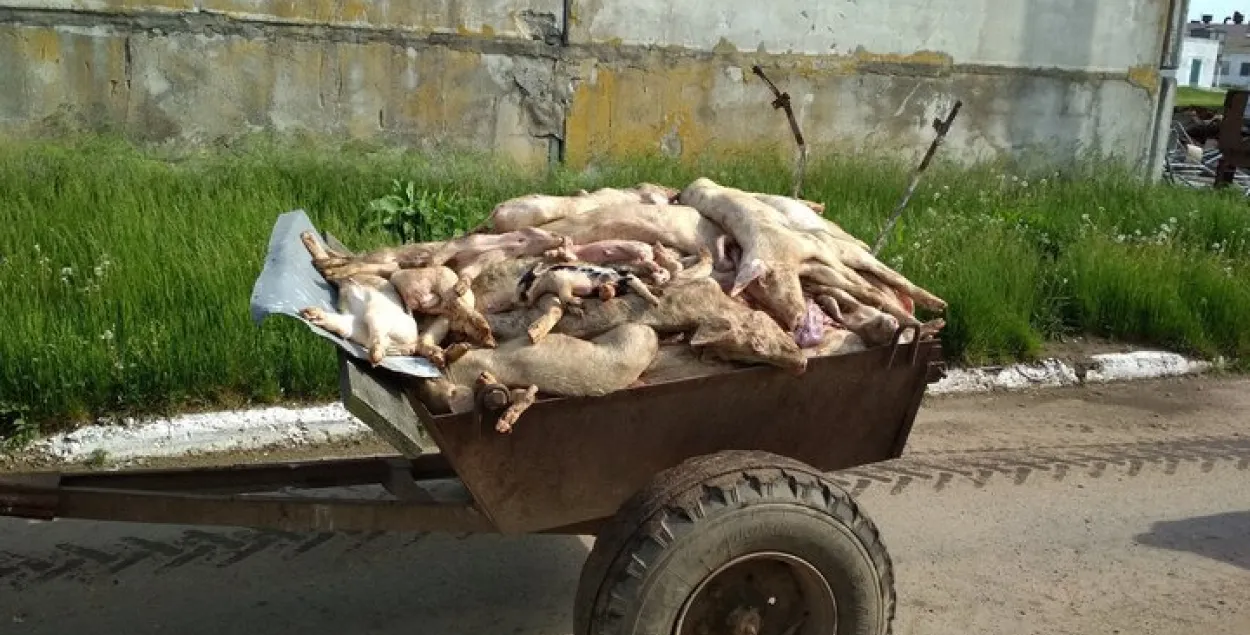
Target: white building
x: 1200, y: 61
x: 1231, y: 37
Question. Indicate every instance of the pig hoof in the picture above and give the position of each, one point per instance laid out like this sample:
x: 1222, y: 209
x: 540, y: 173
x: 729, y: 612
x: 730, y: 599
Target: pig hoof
x: 455, y: 352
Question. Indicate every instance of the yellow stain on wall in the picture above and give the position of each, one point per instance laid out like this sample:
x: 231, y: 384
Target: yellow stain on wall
x: 619, y: 110
x: 630, y: 110
x: 43, y: 45
x: 1145, y: 77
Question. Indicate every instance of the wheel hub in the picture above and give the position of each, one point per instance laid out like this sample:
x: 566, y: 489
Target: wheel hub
x: 766, y: 593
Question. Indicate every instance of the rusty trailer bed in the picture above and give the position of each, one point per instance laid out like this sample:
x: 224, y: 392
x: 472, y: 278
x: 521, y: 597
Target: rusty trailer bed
x: 567, y: 467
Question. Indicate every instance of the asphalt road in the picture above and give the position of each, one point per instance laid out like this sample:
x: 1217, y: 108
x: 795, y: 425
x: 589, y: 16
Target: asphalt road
x: 1118, y: 510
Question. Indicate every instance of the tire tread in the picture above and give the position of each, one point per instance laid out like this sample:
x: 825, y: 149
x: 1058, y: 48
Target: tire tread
x: 681, y: 498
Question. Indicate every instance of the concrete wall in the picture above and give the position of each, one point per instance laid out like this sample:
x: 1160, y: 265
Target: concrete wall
x: 540, y: 79
x: 1201, y: 52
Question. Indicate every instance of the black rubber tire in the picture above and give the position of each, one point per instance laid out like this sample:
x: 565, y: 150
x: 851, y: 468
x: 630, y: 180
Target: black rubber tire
x: 709, y: 510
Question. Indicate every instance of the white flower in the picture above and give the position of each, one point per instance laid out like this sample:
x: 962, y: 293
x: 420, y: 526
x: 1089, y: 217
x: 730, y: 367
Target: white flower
x: 67, y: 272
x: 107, y: 335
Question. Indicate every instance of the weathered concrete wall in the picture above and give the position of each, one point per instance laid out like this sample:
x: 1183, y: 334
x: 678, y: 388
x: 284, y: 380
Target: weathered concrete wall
x: 584, y: 78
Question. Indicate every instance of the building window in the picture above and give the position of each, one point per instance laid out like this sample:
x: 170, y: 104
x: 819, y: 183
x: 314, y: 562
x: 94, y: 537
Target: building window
x: 1222, y: 69
x: 1245, y: 69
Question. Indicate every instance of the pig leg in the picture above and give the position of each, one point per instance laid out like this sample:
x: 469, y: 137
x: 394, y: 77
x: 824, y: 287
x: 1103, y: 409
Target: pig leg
x: 830, y: 306
x: 472, y: 323
x: 552, y: 312
x: 667, y: 258
x: 340, y: 267
x: 340, y: 324
x: 428, y: 351
x: 857, y: 259
x: 456, y: 351
x: 472, y: 269
x: 641, y: 289
x: 522, y: 399
x: 871, y: 325
x: 721, y: 253
x: 849, y: 281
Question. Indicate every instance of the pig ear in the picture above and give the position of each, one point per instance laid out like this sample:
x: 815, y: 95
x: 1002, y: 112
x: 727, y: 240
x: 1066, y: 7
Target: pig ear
x: 710, y: 333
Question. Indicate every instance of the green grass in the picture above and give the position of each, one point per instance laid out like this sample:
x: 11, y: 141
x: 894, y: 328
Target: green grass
x: 126, y: 276
x: 1188, y: 96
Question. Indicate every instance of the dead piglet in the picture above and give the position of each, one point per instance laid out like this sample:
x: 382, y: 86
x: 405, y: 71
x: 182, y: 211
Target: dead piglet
x: 573, y: 281
x: 381, y: 262
x: 772, y: 251
x: 653, y: 260
x: 688, y: 305
x: 494, y: 287
x: 530, y: 241
x: 436, y: 291
x: 807, y: 216
x: 558, y: 365
x: 370, y: 313
x: 533, y: 210
x: 373, y: 316
x: 676, y: 226
x: 873, y: 326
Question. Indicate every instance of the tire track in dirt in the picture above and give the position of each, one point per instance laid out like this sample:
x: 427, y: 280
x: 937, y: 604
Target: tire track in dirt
x: 212, y: 548
x: 939, y: 470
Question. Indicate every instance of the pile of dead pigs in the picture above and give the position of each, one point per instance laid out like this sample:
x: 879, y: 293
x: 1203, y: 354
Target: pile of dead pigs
x: 587, y: 294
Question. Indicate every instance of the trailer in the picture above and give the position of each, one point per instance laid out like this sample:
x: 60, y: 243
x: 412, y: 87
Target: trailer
x: 709, y: 497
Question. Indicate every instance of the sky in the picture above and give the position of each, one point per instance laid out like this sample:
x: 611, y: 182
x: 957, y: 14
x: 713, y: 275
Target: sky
x: 1218, y: 8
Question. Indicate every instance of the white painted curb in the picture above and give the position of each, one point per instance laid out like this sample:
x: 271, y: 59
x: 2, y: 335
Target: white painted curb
x: 242, y: 430
x: 1054, y: 373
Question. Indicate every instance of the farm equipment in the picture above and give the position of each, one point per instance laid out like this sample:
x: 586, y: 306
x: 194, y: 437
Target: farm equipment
x: 709, y: 497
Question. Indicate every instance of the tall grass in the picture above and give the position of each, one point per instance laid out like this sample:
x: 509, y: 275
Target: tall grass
x: 126, y: 275
x: 1209, y: 98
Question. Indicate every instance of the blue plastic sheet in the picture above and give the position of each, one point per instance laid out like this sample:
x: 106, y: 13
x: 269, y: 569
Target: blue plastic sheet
x: 289, y: 282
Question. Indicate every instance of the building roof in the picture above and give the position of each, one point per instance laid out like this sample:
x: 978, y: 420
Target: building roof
x: 1236, y: 37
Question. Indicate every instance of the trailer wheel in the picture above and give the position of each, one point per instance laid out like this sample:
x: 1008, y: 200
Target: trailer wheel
x: 737, y: 543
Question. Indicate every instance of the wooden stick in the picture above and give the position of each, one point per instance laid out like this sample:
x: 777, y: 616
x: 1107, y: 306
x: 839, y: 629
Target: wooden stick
x: 782, y: 101
x: 942, y: 127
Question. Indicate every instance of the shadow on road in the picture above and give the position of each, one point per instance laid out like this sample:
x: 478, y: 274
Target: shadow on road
x: 1223, y: 537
